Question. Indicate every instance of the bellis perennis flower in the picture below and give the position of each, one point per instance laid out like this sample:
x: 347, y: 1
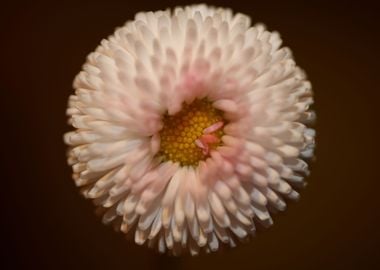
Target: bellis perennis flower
x: 190, y: 126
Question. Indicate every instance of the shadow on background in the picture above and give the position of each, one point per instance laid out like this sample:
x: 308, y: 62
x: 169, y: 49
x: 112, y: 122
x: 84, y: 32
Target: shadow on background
x: 48, y: 225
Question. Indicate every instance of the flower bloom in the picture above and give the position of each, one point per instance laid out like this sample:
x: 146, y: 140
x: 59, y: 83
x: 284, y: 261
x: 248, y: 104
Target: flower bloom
x: 190, y: 127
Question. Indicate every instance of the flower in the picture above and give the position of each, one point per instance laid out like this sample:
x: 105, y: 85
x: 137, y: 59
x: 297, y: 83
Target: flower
x: 190, y: 127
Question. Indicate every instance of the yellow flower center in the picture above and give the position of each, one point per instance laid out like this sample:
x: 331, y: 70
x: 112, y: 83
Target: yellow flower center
x: 188, y: 136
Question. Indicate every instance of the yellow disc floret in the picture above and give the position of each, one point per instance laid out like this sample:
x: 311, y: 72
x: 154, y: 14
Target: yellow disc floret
x: 181, y: 135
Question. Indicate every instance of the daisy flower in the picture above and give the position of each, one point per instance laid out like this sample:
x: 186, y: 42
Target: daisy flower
x: 190, y: 128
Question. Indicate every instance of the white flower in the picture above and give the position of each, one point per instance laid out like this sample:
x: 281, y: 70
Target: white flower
x: 190, y: 127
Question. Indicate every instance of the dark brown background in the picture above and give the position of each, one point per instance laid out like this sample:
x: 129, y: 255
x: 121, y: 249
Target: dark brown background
x: 48, y: 225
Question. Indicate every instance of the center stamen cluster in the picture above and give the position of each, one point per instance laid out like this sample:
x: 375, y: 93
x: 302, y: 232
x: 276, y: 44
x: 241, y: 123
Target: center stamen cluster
x: 188, y: 136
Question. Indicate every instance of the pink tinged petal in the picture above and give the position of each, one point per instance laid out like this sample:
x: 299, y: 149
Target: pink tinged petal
x: 158, y: 178
x: 231, y: 206
x: 217, y: 157
x: 199, y: 176
x: 273, y: 176
x: 201, y: 49
x: 213, y: 242
x: 219, y: 213
x: 174, y: 184
x: 184, y: 238
x: 156, y: 226
x: 166, y: 216
x: 144, y: 181
x: 113, y: 148
x: 146, y: 88
x: 243, y: 169
x: 203, y: 214
x: 122, y: 176
x: 170, y: 194
x: 199, y: 192
x: 305, y: 117
x: 246, y: 210
x: 191, y: 32
x: 263, y: 215
x: 194, y: 228
x: 222, y: 190
x: 228, y: 152
x: 100, y: 200
x: 136, y: 155
x: 174, y: 105
x: 180, y: 202
x: 215, y: 56
x: 101, y: 187
x: 120, y: 207
x: 282, y: 187
x: 233, y: 182
x: 161, y: 244
x: 155, y: 143
x: 140, y: 236
x: 193, y: 248
x: 109, y: 216
x: 293, y: 195
x: 190, y: 83
x: 258, y: 163
x: 259, y: 180
x: 228, y: 167
x: 128, y: 222
x: 226, y: 105
x: 169, y: 239
x: 284, y: 171
x: 255, y: 149
x: 237, y: 229
x: 130, y: 204
x: 298, y: 165
x: 288, y: 151
x: 116, y: 193
x: 262, y: 132
x: 189, y: 208
x: 241, y: 196
x: 258, y: 197
x: 244, y: 219
x: 224, y: 167
x: 232, y: 141
x: 222, y: 234
x: 227, y: 90
x: 141, y: 168
x: 202, y: 240
x: 82, y: 137
x: 274, y: 199
x: 176, y: 231
x: 81, y: 153
x: 82, y: 182
x: 179, y: 213
x: 166, y: 86
x: 150, y: 125
x: 202, y: 68
x: 234, y: 129
x: 146, y: 199
x: 211, y: 168
x: 295, y: 179
x: 273, y: 159
x: 87, y: 174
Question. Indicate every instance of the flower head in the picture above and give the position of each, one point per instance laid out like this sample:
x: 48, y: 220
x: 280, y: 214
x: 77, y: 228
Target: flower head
x: 189, y: 127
